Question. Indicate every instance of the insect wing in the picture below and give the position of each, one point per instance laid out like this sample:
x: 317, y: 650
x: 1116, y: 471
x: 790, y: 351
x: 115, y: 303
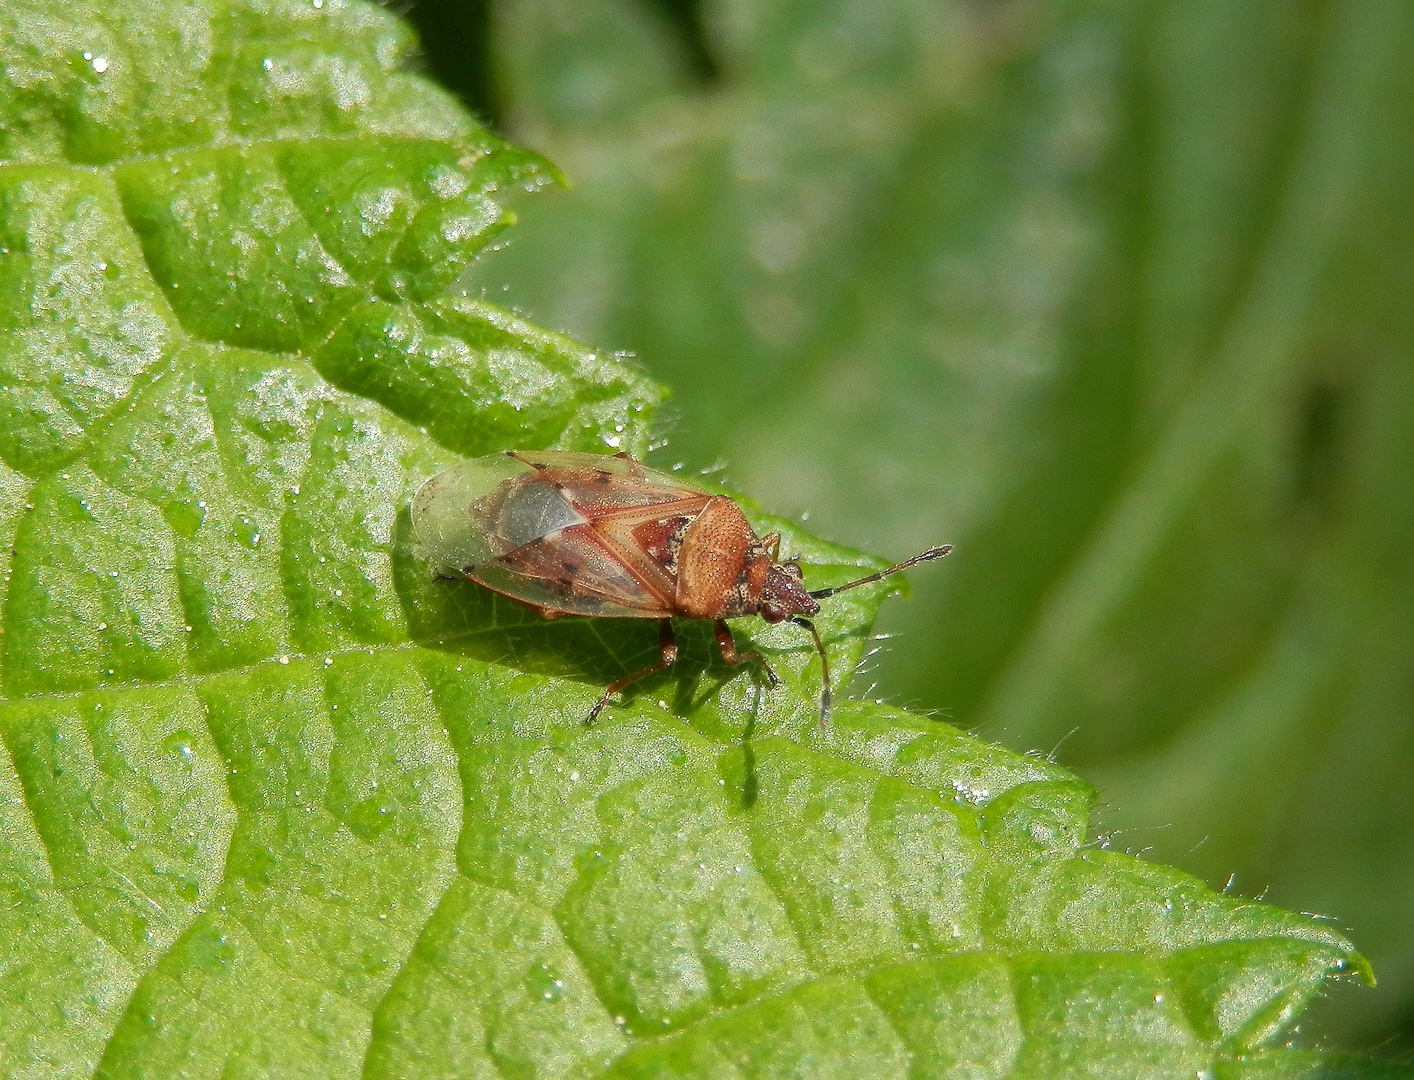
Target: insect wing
x: 574, y: 571
x: 596, y: 484
x: 554, y: 529
x: 636, y: 513
x: 450, y: 511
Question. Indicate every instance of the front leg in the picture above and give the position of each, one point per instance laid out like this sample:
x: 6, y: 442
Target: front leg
x: 727, y: 644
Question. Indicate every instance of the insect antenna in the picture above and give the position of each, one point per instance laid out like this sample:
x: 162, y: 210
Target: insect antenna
x: 931, y: 553
x: 824, y: 666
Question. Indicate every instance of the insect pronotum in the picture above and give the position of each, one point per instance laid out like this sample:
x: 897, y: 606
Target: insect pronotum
x: 589, y: 534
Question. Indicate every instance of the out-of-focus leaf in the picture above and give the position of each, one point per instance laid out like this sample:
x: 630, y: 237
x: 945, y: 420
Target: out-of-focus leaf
x: 1113, y: 296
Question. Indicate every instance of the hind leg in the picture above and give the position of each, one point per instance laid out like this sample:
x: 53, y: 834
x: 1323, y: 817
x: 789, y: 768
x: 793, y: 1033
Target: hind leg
x: 669, y: 657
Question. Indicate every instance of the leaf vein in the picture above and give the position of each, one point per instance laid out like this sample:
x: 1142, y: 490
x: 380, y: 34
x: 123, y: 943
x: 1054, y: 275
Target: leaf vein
x: 216, y: 891
x: 433, y: 908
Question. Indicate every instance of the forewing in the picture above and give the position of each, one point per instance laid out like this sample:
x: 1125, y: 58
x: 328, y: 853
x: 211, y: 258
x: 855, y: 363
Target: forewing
x: 522, y: 510
x: 575, y: 571
x: 479, y: 510
x: 642, y: 538
x: 558, y: 530
x: 599, y: 484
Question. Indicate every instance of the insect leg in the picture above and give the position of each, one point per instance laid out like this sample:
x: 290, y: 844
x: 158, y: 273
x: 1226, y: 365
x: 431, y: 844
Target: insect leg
x: 669, y: 657
x: 727, y: 644
x: 824, y: 666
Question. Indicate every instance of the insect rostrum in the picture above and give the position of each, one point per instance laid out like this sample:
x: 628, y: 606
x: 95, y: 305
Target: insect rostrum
x: 590, y: 534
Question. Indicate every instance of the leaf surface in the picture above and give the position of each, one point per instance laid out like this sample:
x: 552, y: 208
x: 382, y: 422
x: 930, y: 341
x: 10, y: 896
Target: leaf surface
x: 277, y: 802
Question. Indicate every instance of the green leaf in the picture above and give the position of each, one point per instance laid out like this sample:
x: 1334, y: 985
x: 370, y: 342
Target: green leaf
x: 277, y: 802
x: 1111, y: 295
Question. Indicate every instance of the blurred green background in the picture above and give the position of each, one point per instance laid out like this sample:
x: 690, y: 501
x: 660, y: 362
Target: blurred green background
x: 1113, y: 294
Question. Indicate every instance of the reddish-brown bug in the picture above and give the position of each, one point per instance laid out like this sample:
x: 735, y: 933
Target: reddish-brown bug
x: 588, y: 534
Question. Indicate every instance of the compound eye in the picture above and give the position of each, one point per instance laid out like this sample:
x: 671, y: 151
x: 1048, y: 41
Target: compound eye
x: 772, y: 614
x: 792, y: 567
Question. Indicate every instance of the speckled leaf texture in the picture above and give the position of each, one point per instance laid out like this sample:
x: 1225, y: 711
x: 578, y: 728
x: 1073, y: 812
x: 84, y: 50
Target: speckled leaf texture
x: 275, y: 802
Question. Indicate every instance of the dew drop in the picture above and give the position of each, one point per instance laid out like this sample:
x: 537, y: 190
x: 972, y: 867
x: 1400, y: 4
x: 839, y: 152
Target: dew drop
x: 179, y: 743
x: 370, y: 817
x: 247, y: 531
x: 543, y: 980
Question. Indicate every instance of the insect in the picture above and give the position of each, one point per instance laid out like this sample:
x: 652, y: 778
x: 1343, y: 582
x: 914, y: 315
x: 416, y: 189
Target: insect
x: 591, y: 534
